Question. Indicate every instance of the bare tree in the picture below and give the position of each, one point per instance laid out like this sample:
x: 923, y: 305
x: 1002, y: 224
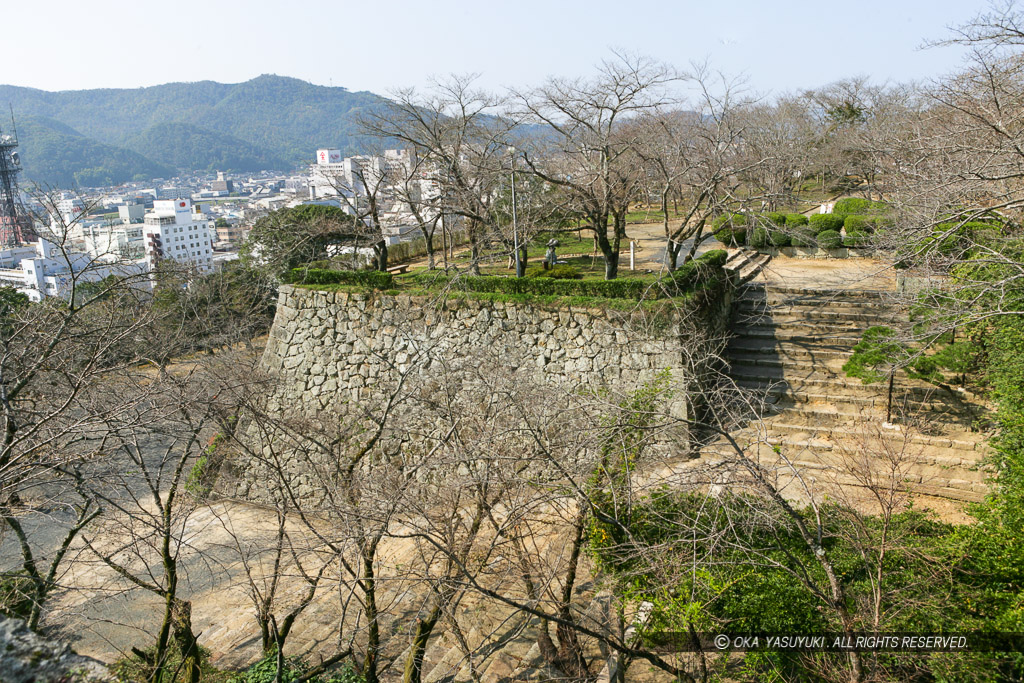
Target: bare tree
x: 587, y: 150
x: 694, y: 157
x: 460, y: 134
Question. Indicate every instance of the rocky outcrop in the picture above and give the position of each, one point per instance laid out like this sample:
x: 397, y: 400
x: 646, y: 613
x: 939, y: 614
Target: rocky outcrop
x: 27, y: 657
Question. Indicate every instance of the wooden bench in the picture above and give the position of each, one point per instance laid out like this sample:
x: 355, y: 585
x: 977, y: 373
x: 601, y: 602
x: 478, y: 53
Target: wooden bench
x: 399, y: 269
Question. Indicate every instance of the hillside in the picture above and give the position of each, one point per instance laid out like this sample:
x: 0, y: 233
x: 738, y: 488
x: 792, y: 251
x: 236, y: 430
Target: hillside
x: 184, y: 146
x: 270, y: 119
x: 56, y: 154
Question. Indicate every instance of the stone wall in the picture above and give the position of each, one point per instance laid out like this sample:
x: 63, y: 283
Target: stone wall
x: 331, y: 350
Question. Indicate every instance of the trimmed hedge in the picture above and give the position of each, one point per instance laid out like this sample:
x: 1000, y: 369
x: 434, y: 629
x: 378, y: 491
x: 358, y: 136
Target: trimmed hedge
x: 684, y: 280
x: 829, y: 239
x: 763, y: 238
x: 776, y: 218
x: 795, y: 220
x: 822, y: 222
x: 859, y: 223
x: 759, y: 239
x: 562, y: 272
x: 803, y: 238
x: 730, y: 229
x: 373, y: 279
x: 857, y: 238
x: 855, y: 205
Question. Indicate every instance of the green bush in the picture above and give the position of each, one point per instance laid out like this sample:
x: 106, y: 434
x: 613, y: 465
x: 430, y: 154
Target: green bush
x: 830, y: 239
x: 16, y: 591
x: 851, y: 205
x: 759, y: 238
x: 730, y: 229
x: 373, y: 279
x: 857, y: 238
x: 557, y: 272
x: 859, y: 223
x: 779, y: 238
x: 265, y: 671
x: 794, y: 220
x: 776, y: 218
x: 803, y: 238
x: 685, y: 279
x: 825, y: 221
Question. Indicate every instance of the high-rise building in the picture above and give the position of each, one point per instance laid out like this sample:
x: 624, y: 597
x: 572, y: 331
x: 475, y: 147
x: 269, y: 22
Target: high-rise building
x: 173, y: 232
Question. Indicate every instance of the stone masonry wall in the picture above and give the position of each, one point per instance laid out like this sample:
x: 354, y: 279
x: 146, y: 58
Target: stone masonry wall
x: 330, y: 350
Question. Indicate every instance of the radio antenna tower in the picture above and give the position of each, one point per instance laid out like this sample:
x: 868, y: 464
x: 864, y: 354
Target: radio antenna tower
x: 15, y: 224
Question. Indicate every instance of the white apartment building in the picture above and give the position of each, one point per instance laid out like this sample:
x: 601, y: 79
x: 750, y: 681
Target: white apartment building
x: 333, y: 176
x: 41, y: 270
x: 114, y: 242
x: 173, y: 232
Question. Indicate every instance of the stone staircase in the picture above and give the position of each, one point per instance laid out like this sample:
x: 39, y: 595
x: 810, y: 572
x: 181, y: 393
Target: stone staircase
x: 803, y: 414
x: 746, y: 264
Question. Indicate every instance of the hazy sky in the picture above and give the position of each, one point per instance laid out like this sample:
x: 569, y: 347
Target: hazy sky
x: 379, y: 46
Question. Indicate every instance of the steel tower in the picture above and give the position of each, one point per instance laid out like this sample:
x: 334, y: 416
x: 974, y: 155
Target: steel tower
x: 15, y: 224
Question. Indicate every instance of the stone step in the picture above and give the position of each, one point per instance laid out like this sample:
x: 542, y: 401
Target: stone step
x: 832, y: 312
x: 968, y: 445
x: 760, y: 290
x: 788, y: 355
x: 745, y: 331
x: 815, y: 452
x: 794, y: 305
x: 820, y: 325
x: 818, y: 391
x: 751, y: 376
x: 920, y: 480
x: 783, y: 398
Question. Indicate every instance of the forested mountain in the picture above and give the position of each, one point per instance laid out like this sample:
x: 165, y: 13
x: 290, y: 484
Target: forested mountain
x: 184, y: 146
x: 56, y: 154
x: 268, y: 122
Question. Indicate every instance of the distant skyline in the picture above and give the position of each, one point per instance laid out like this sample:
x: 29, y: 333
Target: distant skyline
x: 779, y: 46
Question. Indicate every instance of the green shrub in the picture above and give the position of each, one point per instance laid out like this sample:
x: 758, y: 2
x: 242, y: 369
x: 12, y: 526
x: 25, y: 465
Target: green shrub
x: 857, y: 238
x: 265, y: 671
x: 859, y: 223
x: 561, y: 272
x: 825, y: 221
x: 794, y: 220
x: 373, y: 279
x: 685, y: 279
x: 830, y: 239
x: 851, y: 205
x: 759, y: 238
x: 730, y: 229
x: 779, y: 238
x: 803, y: 238
x: 776, y: 218
x: 16, y: 591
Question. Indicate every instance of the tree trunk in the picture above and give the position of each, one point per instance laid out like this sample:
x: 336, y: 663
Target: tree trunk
x: 428, y: 237
x: 414, y: 660
x: 521, y: 266
x: 373, y: 626
x: 181, y: 619
x: 474, y: 256
x: 672, y: 249
x: 380, y: 251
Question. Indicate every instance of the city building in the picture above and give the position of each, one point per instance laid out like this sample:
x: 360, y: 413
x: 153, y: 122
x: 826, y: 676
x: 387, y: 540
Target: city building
x: 173, y: 232
x: 131, y: 213
x: 222, y: 186
x: 41, y: 270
